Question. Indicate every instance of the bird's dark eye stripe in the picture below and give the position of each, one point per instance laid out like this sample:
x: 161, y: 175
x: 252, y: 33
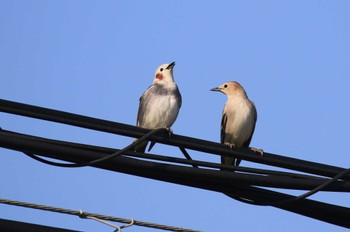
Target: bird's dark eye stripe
x: 225, y: 86
x: 161, y: 69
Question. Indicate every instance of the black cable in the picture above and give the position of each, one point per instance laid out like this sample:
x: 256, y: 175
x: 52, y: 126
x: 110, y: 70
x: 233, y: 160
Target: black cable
x: 103, y: 159
x: 220, y: 181
x: 149, y: 156
x: 188, y: 157
x: 326, y: 212
x: 292, y: 199
x: 58, y: 150
x: 176, y: 140
x: 315, y: 190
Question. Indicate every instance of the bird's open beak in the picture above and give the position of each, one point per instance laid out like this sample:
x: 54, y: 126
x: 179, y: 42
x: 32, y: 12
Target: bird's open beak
x: 218, y: 89
x: 171, y: 65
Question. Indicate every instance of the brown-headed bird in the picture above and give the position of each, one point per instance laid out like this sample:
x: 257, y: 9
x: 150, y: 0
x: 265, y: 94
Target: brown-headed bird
x: 160, y: 103
x: 238, y: 119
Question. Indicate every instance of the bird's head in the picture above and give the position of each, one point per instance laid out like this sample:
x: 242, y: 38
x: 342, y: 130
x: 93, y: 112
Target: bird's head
x: 231, y: 88
x: 164, y: 73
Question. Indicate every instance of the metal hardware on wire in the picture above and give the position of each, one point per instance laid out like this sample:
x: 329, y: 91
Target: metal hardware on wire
x: 117, y: 228
x: 94, y: 216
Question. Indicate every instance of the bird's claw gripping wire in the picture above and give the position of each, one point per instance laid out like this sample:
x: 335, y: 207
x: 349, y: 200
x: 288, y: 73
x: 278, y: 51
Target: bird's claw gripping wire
x: 257, y: 150
x: 231, y: 145
x: 166, y: 129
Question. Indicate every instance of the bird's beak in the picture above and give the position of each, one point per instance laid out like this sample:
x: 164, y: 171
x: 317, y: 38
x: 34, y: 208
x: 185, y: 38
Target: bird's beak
x: 171, y: 65
x: 218, y: 89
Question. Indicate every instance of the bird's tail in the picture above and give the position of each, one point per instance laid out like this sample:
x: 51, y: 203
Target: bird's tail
x: 230, y: 161
x: 141, y: 147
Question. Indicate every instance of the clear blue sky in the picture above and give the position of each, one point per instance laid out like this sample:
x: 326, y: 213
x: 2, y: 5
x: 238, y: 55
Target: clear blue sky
x: 97, y: 57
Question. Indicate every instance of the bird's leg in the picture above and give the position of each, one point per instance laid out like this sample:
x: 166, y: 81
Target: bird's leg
x: 230, y: 145
x: 230, y: 160
x: 257, y: 150
x: 170, y: 131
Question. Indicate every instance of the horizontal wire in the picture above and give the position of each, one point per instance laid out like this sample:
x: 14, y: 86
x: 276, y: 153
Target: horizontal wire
x: 150, y: 156
x: 267, y: 181
x: 103, y: 159
x: 194, y: 164
x: 81, y: 214
x: 256, y: 196
x: 205, y: 179
x: 292, y: 199
x: 176, y: 140
x: 168, y: 159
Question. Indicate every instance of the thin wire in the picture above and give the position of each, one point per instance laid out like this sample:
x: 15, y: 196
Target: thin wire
x: 317, y: 189
x: 99, y: 216
x: 100, y: 221
x: 188, y: 157
x: 198, y: 163
x: 301, y: 197
x: 90, y: 163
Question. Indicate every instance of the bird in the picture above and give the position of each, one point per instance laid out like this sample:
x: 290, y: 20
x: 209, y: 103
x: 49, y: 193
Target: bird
x: 160, y: 104
x: 238, y: 119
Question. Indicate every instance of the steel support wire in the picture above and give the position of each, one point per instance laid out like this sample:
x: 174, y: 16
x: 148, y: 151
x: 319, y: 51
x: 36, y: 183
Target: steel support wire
x: 175, y: 140
x: 219, y: 181
x: 87, y: 215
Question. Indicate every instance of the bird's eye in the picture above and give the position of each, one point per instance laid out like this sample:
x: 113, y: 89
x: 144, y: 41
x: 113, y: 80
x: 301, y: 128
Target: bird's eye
x: 225, y: 86
x: 161, y: 69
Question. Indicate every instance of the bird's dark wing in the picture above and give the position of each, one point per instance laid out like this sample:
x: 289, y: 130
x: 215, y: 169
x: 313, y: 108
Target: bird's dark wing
x: 143, y: 105
x: 246, y: 143
x: 223, y: 127
x: 178, y: 96
x: 142, y: 112
x: 224, y: 159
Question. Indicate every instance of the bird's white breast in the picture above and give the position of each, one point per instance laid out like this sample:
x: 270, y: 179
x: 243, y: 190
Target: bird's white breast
x: 162, y: 112
x: 240, y: 121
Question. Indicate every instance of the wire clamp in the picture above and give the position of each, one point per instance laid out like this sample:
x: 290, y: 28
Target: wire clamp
x: 117, y: 228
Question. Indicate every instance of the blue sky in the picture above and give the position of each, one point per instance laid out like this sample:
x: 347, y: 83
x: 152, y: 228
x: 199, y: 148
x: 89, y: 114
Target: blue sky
x: 97, y: 57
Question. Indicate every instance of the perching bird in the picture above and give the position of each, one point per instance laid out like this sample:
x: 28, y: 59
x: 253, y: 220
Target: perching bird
x: 238, y: 119
x: 160, y: 104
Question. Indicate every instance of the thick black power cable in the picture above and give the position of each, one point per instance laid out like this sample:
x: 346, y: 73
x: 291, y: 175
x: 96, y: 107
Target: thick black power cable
x: 149, y: 156
x: 204, y: 179
x: 47, y: 144
x: 176, y: 140
x: 315, y: 190
x: 292, y: 199
x: 257, y: 195
x: 44, y: 146
x: 90, y: 163
x: 303, y: 196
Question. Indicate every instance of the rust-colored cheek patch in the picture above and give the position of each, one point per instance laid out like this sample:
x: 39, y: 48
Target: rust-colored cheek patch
x: 159, y: 76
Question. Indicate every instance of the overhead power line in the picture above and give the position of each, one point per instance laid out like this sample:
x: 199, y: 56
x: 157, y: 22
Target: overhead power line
x: 175, y: 140
x: 245, y: 184
x: 86, y: 215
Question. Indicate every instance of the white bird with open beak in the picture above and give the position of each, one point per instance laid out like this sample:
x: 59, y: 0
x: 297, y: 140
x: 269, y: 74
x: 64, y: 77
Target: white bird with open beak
x: 160, y: 103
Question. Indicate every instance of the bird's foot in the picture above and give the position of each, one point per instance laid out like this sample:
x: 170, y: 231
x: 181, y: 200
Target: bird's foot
x: 230, y: 145
x: 170, y: 131
x: 257, y: 150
